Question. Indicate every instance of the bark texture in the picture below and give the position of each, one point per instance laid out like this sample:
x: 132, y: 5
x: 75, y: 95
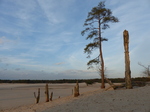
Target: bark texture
x: 51, y: 97
x: 76, y: 90
x: 46, y: 93
x: 38, y: 96
x: 127, y: 60
x: 101, y: 58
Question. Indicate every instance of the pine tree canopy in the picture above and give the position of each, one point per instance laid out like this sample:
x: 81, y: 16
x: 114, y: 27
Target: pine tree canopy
x: 97, y: 20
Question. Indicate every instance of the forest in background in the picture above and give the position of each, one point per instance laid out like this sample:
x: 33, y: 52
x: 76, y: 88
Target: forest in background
x: 88, y: 81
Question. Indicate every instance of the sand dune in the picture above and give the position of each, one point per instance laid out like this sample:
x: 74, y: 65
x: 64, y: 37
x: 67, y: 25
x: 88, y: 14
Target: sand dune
x: 134, y: 100
x: 16, y: 95
x: 93, y: 100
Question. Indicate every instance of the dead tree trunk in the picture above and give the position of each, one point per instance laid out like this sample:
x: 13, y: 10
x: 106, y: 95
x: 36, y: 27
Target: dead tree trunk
x: 110, y: 83
x: 127, y: 60
x: 46, y: 93
x: 38, y: 96
x: 51, y: 97
x: 76, y: 90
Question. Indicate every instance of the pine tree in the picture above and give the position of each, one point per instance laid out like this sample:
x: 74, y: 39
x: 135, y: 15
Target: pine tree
x: 98, y: 16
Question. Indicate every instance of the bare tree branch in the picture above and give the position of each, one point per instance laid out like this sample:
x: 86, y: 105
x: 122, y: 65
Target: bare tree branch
x: 142, y: 65
x: 146, y: 71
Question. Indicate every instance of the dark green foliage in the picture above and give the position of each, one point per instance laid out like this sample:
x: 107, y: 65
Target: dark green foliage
x: 89, y: 48
x: 138, y: 83
x: 89, y: 82
x: 97, y: 20
x: 114, y: 80
x: 93, y: 61
x: 49, y: 81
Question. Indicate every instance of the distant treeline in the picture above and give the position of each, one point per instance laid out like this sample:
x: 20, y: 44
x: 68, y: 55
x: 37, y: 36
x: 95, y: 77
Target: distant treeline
x: 89, y: 81
x: 51, y: 81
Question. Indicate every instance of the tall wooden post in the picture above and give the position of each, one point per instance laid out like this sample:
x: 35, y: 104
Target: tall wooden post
x: 76, y: 90
x: 46, y: 93
x: 127, y: 60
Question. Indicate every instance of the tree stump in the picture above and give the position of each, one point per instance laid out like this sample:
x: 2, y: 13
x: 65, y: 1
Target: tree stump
x: 127, y: 60
x: 51, y: 96
x: 76, y: 90
x: 38, y: 96
x: 46, y: 93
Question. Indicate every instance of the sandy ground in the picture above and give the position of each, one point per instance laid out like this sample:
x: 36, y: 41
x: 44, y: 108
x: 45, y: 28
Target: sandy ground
x: 135, y: 100
x: 92, y: 99
x: 16, y: 95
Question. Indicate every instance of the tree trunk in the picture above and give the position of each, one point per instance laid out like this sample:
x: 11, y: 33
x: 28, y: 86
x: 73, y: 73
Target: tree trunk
x: 51, y: 97
x: 127, y: 61
x: 102, y: 71
x: 38, y: 96
x: 76, y: 90
x: 109, y: 82
x: 101, y: 58
x: 46, y: 93
x: 148, y: 71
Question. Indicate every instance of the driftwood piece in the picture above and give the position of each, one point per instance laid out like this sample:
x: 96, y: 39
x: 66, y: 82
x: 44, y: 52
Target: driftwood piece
x: 51, y: 97
x: 110, y: 83
x: 113, y: 86
x: 76, y: 90
x: 46, y: 93
x: 38, y: 96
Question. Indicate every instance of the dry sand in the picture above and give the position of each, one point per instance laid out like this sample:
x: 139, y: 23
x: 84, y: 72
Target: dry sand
x: 91, y: 100
x: 16, y: 95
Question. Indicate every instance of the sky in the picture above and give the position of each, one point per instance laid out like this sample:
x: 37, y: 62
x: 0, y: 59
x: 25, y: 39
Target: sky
x: 41, y: 39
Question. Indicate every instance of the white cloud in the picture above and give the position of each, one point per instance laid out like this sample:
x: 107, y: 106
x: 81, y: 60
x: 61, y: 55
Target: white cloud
x: 13, y: 60
x: 38, y: 34
x: 4, y: 40
x: 60, y: 63
x: 7, y: 44
x: 54, y: 10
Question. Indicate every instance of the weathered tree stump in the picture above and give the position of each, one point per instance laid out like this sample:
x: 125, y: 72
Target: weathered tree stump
x: 46, y: 93
x: 76, y: 90
x: 51, y: 97
x: 38, y: 96
x: 127, y: 60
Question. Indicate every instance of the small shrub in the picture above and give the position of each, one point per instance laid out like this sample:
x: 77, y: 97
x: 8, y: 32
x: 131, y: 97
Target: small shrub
x: 89, y: 82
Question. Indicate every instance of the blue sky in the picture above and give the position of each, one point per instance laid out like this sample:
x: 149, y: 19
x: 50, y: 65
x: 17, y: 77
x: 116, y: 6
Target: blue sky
x: 41, y: 39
